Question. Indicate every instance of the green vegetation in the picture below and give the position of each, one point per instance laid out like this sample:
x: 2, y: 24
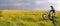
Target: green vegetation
x: 25, y: 18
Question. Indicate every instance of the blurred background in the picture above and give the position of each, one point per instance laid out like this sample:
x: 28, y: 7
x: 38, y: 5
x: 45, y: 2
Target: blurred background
x: 29, y: 4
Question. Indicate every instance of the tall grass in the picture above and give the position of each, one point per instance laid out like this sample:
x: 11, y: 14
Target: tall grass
x: 25, y: 18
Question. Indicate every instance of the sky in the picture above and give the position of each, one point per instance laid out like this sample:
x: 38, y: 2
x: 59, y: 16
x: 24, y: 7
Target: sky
x: 29, y: 4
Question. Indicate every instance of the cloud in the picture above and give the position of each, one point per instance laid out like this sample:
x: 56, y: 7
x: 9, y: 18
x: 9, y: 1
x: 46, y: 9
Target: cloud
x: 30, y: 4
x: 57, y: 6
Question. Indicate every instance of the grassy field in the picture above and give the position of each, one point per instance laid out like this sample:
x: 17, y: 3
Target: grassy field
x: 26, y: 18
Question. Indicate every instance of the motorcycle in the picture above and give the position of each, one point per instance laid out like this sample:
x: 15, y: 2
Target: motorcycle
x: 51, y: 17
